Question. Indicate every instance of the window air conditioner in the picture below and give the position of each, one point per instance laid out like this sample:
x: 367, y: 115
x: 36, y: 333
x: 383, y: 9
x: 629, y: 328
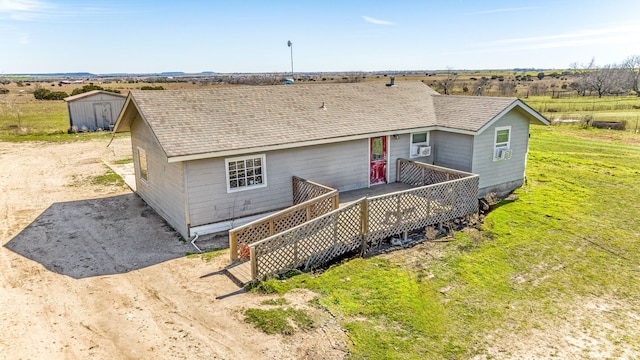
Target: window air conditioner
x: 424, y: 150
x: 503, y: 153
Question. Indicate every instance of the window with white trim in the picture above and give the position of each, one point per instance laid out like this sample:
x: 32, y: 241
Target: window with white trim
x: 420, y: 145
x: 143, y: 168
x: 502, y: 143
x: 247, y: 172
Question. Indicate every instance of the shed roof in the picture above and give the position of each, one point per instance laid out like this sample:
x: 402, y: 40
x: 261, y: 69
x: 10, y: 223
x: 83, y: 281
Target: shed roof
x: 91, y: 93
x: 192, y: 124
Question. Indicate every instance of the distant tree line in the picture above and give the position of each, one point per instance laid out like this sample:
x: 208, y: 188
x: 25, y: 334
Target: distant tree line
x: 45, y: 94
x: 610, y: 79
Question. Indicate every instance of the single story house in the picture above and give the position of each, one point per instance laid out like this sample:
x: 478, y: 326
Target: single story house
x: 94, y: 110
x: 210, y: 160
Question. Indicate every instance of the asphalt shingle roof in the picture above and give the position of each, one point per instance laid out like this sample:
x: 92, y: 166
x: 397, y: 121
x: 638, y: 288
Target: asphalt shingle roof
x: 468, y: 113
x: 196, y: 122
x: 188, y: 122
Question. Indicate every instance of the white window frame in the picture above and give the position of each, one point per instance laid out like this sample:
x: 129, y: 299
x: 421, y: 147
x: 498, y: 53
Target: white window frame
x: 413, y: 148
x: 263, y: 170
x: 497, y: 145
x: 142, y: 154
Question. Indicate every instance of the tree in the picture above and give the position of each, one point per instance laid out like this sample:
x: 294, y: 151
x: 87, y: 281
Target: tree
x: 632, y: 68
x: 581, y: 85
x: 540, y: 75
x: 447, y: 84
x: 606, y: 80
x: 507, y: 87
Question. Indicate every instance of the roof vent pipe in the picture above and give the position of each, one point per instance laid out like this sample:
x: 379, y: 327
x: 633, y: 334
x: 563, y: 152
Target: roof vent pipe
x: 392, y: 80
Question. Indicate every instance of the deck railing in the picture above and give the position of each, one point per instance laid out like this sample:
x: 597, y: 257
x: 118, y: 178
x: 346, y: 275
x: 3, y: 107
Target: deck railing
x: 310, y: 201
x: 366, y: 222
x: 419, y: 174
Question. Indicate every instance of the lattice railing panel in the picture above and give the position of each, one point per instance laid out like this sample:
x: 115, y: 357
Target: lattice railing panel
x: 249, y: 235
x: 288, y: 220
x: 421, y: 174
x: 321, y: 200
x: 417, y: 208
x: 304, y: 190
x: 312, y: 244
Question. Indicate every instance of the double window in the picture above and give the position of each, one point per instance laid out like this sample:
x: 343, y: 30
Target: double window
x: 246, y: 172
x: 420, y: 145
x: 502, y: 143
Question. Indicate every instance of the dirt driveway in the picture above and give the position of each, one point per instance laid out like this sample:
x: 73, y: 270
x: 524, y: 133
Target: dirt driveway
x: 91, y: 272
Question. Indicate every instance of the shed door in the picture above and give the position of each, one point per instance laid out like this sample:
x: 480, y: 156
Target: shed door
x: 378, y: 160
x: 102, y: 112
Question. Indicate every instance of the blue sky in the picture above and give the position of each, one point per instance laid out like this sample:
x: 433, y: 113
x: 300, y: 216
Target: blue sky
x: 40, y: 36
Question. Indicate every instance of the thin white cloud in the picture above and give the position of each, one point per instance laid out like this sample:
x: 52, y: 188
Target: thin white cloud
x: 39, y: 10
x: 503, y: 10
x: 24, y: 10
x: 376, y: 21
x: 609, y: 35
x: 18, y: 5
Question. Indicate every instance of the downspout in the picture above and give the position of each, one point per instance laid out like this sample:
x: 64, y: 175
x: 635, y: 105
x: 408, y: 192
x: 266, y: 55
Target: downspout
x: 186, y: 204
x: 193, y: 242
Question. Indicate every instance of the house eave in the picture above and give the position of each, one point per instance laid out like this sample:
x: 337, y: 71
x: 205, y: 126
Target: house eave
x: 535, y: 116
x: 261, y: 149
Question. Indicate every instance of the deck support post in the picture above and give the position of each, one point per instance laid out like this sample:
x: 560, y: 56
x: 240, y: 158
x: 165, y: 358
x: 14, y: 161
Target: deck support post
x: 364, y: 225
x: 254, y: 263
x: 233, y: 245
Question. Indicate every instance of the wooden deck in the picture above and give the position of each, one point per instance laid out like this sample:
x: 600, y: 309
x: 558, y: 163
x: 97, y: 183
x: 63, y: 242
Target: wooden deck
x: 241, y: 272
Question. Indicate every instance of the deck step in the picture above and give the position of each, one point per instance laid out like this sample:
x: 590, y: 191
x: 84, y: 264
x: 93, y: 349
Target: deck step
x: 241, y: 272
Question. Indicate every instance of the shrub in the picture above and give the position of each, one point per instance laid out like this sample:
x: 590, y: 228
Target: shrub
x: 44, y: 94
x: 160, y: 87
x: 91, y: 87
x: 4, y: 91
x: 57, y: 95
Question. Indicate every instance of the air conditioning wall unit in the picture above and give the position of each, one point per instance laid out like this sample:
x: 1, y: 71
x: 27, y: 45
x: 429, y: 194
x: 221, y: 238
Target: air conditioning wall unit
x: 424, y: 151
x: 503, y: 153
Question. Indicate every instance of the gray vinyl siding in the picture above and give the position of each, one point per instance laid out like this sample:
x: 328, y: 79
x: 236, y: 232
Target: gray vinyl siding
x: 396, y: 148
x: 343, y: 166
x: 452, y: 150
x: 495, y: 173
x: 82, y: 111
x: 401, y: 149
x: 164, y: 189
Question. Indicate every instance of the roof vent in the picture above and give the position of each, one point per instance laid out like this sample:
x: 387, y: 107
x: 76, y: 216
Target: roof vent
x: 323, y: 107
x: 392, y: 80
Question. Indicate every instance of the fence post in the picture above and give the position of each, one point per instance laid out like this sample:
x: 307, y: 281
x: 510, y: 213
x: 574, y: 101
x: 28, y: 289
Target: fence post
x: 233, y: 245
x: 399, y: 170
x: 295, y: 190
x: 364, y: 224
x: 254, y: 263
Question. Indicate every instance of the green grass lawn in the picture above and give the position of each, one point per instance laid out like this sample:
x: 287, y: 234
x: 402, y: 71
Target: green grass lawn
x: 42, y: 120
x: 609, y: 108
x: 560, y: 262
x: 33, y: 118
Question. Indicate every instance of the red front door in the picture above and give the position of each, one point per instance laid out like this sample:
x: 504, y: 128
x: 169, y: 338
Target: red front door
x: 378, y: 160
